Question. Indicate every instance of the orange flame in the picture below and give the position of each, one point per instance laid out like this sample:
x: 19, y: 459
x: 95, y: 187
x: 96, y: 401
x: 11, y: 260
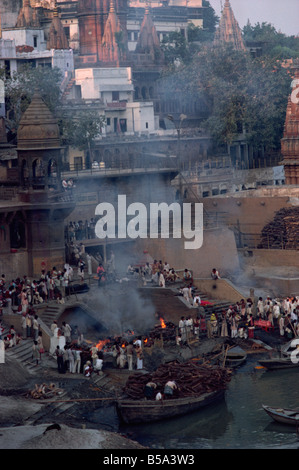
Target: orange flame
x: 163, y: 324
x: 101, y: 344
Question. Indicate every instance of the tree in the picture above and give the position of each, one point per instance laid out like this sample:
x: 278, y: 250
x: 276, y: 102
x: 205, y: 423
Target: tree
x: 238, y: 92
x: 20, y: 87
x: 81, y: 129
x: 272, y: 42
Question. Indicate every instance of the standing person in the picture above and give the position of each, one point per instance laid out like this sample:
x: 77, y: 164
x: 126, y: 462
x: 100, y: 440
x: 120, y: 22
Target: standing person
x: 182, y: 329
x: 65, y: 282
x: 35, y: 352
x: 251, y: 326
x: 28, y: 325
x: 59, y: 356
x: 67, y: 331
x: 81, y: 266
x: 71, y: 360
x: 89, y: 264
x: 224, y: 329
x: 40, y: 345
x: 281, y: 324
x: 35, y: 327
x: 129, y: 353
x: 13, y: 335
x: 139, y: 354
x: 260, y: 308
x: 23, y: 326
x: 24, y: 301
x: 65, y: 358
x: 77, y: 363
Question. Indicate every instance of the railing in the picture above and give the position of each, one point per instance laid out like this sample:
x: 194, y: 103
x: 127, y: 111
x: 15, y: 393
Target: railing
x: 259, y: 241
x: 122, y: 165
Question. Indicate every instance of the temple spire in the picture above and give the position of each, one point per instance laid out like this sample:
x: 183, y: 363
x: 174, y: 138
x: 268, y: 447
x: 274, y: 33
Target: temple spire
x: 57, y: 38
x: 27, y: 17
x: 229, y: 30
x: 111, y: 42
x: 148, y: 41
x: 290, y: 140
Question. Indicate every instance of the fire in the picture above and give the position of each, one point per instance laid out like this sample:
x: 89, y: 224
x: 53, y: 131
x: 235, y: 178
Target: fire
x: 163, y: 324
x: 101, y: 344
x: 145, y: 340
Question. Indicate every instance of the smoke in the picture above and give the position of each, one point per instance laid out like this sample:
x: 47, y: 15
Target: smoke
x: 119, y: 307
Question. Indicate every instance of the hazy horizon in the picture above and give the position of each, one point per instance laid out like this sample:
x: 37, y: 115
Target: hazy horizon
x: 282, y: 15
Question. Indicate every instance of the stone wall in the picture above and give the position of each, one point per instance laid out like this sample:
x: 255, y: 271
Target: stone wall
x: 218, y: 251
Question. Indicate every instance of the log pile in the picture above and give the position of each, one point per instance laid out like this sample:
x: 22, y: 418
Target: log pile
x: 44, y: 391
x: 192, y: 380
x: 168, y: 331
x: 283, y: 231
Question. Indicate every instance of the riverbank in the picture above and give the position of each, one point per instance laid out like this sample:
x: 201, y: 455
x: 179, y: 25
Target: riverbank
x: 23, y: 420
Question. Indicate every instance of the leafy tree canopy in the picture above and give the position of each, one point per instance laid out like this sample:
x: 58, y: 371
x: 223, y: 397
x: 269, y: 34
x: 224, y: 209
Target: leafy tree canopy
x: 238, y: 91
x: 273, y: 43
x: 76, y: 130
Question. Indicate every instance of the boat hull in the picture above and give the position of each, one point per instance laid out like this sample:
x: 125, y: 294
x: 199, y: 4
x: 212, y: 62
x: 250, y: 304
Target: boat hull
x: 274, y: 364
x: 146, y: 411
x: 283, y: 416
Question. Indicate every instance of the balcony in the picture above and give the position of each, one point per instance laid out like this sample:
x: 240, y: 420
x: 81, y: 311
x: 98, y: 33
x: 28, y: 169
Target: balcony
x: 116, y: 106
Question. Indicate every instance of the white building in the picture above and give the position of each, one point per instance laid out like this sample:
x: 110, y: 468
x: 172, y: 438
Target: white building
x: 115, y: 89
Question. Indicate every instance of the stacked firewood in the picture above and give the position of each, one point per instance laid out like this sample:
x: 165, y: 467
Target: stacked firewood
x: 192, y: 380
x: 168, y: 331
x: 282, y: 231
x: 44, y: 391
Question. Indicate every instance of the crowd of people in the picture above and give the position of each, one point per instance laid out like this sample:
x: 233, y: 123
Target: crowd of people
x: 160, y: 273
x: 240, y: 319
x: 78, y: 357
x: 80, y: 230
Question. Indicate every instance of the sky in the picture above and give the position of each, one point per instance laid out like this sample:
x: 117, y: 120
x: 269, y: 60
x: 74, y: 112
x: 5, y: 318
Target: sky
x: 282, y: 14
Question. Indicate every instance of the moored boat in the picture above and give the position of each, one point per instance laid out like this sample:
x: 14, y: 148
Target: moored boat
x: 145, y: 411
x: 278, y: 363
x: 234, y: 357
x: 282, y: 415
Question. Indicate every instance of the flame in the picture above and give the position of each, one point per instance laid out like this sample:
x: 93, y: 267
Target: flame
x: 101, y: 344
x: 163, y: 324
x: 145, y: 340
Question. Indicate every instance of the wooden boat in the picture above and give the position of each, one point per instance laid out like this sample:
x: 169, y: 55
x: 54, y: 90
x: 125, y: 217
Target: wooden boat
x: 146, y: 411
x: 234, y: 357
x: 282, y: 415
x: 278, y: 363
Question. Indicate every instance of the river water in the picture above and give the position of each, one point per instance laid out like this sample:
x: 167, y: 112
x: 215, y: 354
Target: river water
x: 238, y: 422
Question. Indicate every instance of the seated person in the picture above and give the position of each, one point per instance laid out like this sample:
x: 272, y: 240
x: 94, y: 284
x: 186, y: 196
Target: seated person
x: 215, y: 274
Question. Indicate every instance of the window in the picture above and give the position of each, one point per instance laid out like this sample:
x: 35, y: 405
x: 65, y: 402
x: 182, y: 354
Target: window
x: 123, y: 125
x: 108, y: 121
x: 115, y: 96
x: 67, y: 31
x: 34, y: 41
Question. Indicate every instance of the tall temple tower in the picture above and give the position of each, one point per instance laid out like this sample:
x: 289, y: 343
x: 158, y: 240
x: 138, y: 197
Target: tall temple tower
x: 27, y: 17
x: 290, y: 140
x: 56, y: 37
x: 43, y: 204
x: 229, y: 30
x: 92, y: 17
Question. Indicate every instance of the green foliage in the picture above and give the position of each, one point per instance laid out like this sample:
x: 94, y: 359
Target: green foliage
x: 20, y: 87
x: 79, y: 130
x: 238, y: 92
x: 272, y: 42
